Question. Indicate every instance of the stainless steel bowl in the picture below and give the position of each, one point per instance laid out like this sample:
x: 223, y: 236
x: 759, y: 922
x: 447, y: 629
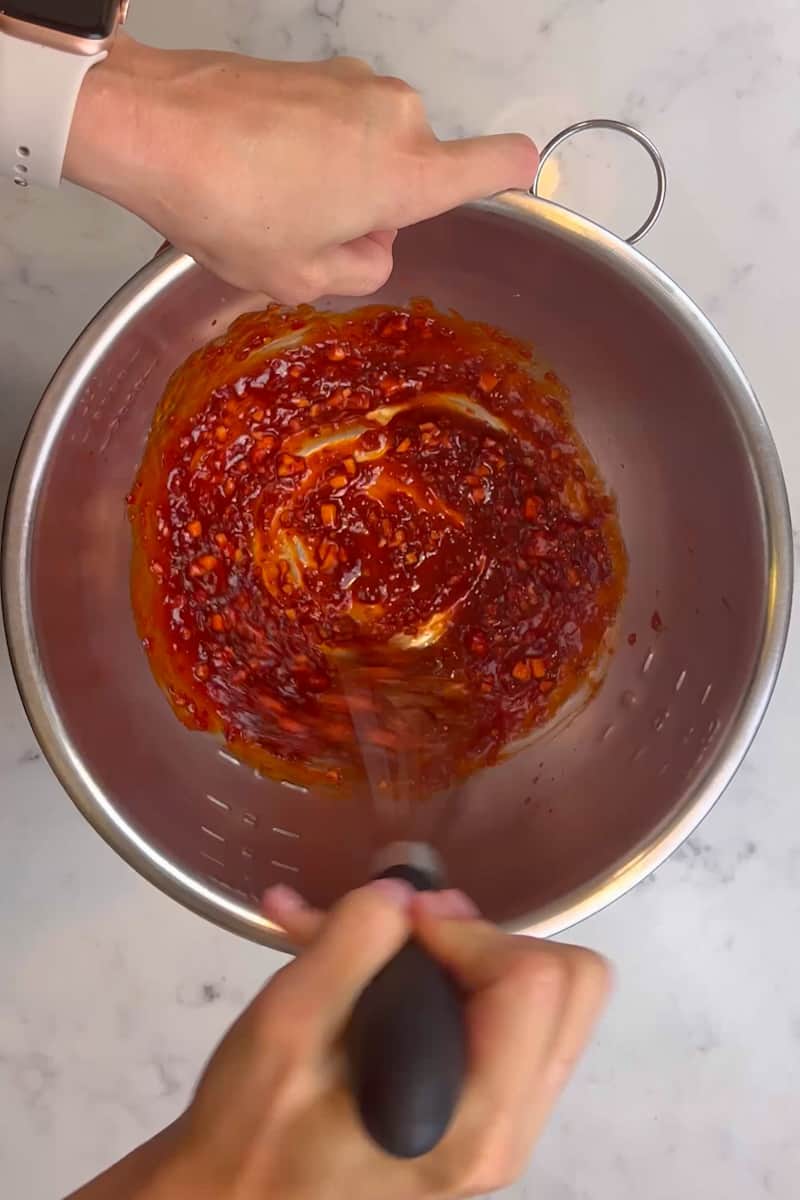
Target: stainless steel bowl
x: 589, y: 808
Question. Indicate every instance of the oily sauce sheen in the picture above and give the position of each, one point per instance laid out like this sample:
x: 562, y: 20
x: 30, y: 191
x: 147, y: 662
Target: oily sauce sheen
x: 371, y: 537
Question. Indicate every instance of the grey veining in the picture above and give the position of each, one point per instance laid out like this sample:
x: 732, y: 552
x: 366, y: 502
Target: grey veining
x: 110, y: 996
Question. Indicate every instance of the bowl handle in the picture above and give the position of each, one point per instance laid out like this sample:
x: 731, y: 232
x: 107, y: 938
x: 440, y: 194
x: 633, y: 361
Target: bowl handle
x: 406, y: 1046
x: 629, y: 131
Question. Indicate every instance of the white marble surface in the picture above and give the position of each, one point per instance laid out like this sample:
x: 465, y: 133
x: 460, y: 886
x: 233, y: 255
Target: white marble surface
x: 110, y: 995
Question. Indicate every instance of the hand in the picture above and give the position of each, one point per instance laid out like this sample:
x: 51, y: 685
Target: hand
x: 273, y: 1115
x: 287, y: 178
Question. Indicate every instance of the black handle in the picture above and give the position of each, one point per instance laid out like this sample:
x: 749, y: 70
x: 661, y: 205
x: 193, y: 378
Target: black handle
x: 407, y: 1047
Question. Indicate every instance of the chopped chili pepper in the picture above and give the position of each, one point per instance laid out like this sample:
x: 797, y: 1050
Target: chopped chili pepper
x: 394, y: 490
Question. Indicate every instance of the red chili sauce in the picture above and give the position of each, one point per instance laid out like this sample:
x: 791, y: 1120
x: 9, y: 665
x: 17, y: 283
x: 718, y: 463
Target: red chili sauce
x: 373, y: 529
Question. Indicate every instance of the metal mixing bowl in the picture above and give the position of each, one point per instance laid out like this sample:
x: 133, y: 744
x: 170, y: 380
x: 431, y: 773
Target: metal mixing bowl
x: 590, y: 807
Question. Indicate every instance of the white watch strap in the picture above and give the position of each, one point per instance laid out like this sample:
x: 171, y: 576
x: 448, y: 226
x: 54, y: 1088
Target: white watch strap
x: 39, y: 89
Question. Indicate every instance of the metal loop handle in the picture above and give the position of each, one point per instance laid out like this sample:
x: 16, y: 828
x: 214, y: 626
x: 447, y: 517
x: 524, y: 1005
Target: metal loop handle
x: 630, y: 131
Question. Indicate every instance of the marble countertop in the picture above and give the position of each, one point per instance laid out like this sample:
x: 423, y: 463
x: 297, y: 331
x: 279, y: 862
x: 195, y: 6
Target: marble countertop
x: 111, y: 996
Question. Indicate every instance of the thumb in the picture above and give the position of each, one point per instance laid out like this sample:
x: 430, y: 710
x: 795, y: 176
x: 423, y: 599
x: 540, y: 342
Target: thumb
x: 491, y: 164
x: 467, y: 169
x: 362, y: 933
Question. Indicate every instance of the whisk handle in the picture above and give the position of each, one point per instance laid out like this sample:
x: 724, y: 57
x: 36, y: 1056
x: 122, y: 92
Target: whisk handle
x: 406, y: 1044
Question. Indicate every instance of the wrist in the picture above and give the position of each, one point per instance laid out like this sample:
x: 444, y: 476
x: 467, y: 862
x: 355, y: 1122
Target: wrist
x: 115, y: 127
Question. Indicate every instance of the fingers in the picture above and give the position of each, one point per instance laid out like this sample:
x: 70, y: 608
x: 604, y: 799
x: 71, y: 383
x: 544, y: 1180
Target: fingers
x: 575, y: 982
x: 384, y: 237
x: 447, y: 905
x: 355, y: 268
x: 360, y: 267
x: 287, y: 908
x: 590, y: 984
x: 363, y: 932
x: 521, y: 988
x: 585, y: 992
x: 477, y: 953
x: 531, y: 1009
x: 296, y: 917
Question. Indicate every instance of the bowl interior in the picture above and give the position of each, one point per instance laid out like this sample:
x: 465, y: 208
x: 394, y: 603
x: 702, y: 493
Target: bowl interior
x: 552, y: 831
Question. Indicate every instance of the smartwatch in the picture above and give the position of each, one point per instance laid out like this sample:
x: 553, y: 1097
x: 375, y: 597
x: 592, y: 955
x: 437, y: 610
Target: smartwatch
x: 46, y: 49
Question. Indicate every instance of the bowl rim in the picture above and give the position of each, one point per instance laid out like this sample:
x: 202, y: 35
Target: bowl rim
x: 212, y: 901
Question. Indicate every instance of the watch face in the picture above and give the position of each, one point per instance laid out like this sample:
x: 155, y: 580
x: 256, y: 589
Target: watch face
x: 79, y: 18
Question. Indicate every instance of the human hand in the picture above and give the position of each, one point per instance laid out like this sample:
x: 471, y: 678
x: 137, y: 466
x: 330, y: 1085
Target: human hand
x: 273, y: 1115
x: 287, y: 178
